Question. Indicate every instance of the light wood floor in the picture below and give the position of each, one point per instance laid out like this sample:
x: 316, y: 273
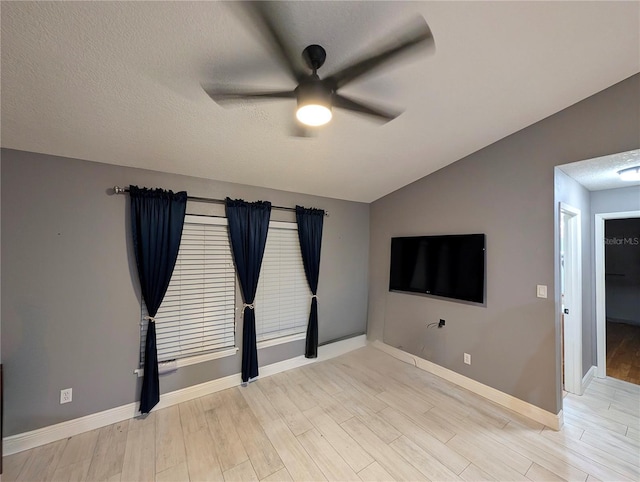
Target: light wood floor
x: 362, y: 416
x: 623, y: 351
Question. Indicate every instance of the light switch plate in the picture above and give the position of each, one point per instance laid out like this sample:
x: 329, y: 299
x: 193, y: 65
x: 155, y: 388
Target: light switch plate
x: 542, y: 291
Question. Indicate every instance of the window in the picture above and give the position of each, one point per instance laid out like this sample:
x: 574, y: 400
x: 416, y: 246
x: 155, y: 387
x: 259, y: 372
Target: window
x: 283, y: 298
x: 197, y: 315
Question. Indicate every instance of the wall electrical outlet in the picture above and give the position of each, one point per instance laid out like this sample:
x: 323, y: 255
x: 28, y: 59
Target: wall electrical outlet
x: 467, y: 359
x: 65, y: 395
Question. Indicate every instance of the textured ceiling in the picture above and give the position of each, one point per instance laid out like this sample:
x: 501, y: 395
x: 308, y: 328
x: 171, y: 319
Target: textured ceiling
x: 120, y: 82
x: 602, y: 172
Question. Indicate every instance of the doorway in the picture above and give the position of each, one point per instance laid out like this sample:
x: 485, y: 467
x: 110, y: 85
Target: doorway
x: 614, y: 282
x: 571, y: 297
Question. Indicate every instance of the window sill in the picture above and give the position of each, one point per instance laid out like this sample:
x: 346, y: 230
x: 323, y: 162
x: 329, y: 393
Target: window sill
x: 192, y: 360
x: 281, y: 340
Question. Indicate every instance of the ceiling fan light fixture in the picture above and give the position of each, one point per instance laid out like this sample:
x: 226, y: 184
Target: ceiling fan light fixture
x: 314, y: 114
x: 630, y: 174
x: 314, y: 102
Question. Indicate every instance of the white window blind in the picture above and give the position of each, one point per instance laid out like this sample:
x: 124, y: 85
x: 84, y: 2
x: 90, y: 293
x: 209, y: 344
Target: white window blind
x: 197, y: 314
x: 283, y: 298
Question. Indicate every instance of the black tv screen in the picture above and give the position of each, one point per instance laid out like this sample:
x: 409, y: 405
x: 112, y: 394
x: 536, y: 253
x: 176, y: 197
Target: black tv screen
x: 451, y: 266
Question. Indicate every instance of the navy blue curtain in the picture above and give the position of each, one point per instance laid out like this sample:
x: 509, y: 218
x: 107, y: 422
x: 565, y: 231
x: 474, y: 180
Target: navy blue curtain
x: 157, y: 217
x: 310, y: 234
x: 248, y: 226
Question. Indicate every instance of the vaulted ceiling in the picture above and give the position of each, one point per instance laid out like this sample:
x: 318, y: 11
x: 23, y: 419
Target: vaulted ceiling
x: 121, y: 83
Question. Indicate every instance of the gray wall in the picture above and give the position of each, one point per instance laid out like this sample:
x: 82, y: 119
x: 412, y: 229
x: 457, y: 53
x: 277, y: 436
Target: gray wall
x: 506, y: 191
x: 70, y: 295
x: 570, y: 191
x: 615, y: 200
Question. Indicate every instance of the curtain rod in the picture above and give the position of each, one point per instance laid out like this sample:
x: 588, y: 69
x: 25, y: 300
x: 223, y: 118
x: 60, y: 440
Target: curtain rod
x: 123, y: 190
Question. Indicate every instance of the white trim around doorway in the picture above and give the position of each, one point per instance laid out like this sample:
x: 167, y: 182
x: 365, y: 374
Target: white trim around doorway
x: 573, y: 287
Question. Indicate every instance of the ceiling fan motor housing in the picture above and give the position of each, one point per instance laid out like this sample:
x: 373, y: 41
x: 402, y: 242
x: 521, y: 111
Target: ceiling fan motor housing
x: 313, y: 91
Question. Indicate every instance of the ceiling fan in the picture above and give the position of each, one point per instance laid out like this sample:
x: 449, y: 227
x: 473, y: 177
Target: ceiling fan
x: 317, y: 96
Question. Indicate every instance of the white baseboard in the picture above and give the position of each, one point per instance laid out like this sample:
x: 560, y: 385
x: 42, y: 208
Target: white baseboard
x: 549, y: 419
x: 28, y: 440
x: 586, y: 380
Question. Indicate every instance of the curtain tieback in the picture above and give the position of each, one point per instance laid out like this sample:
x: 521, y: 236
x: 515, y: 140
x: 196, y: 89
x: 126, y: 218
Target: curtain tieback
x: 248, y: 305
x: 315, y: 296
x: 150, y: 318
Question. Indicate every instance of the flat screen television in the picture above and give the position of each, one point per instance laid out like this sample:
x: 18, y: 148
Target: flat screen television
x: 450, y: 266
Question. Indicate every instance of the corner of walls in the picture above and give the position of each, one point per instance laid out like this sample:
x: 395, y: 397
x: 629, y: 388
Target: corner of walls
x: 586, y: 380
x: 378, y: 279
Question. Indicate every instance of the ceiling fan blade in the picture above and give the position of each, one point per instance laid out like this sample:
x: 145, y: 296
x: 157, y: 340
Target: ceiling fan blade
x: 417, y: 34
x: 266, y: 19
x: 343, y: 102
x: 221, y: 96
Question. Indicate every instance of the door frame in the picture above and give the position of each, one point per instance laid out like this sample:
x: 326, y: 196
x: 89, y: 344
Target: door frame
x: 573, y: 284
x: 601, y: 301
